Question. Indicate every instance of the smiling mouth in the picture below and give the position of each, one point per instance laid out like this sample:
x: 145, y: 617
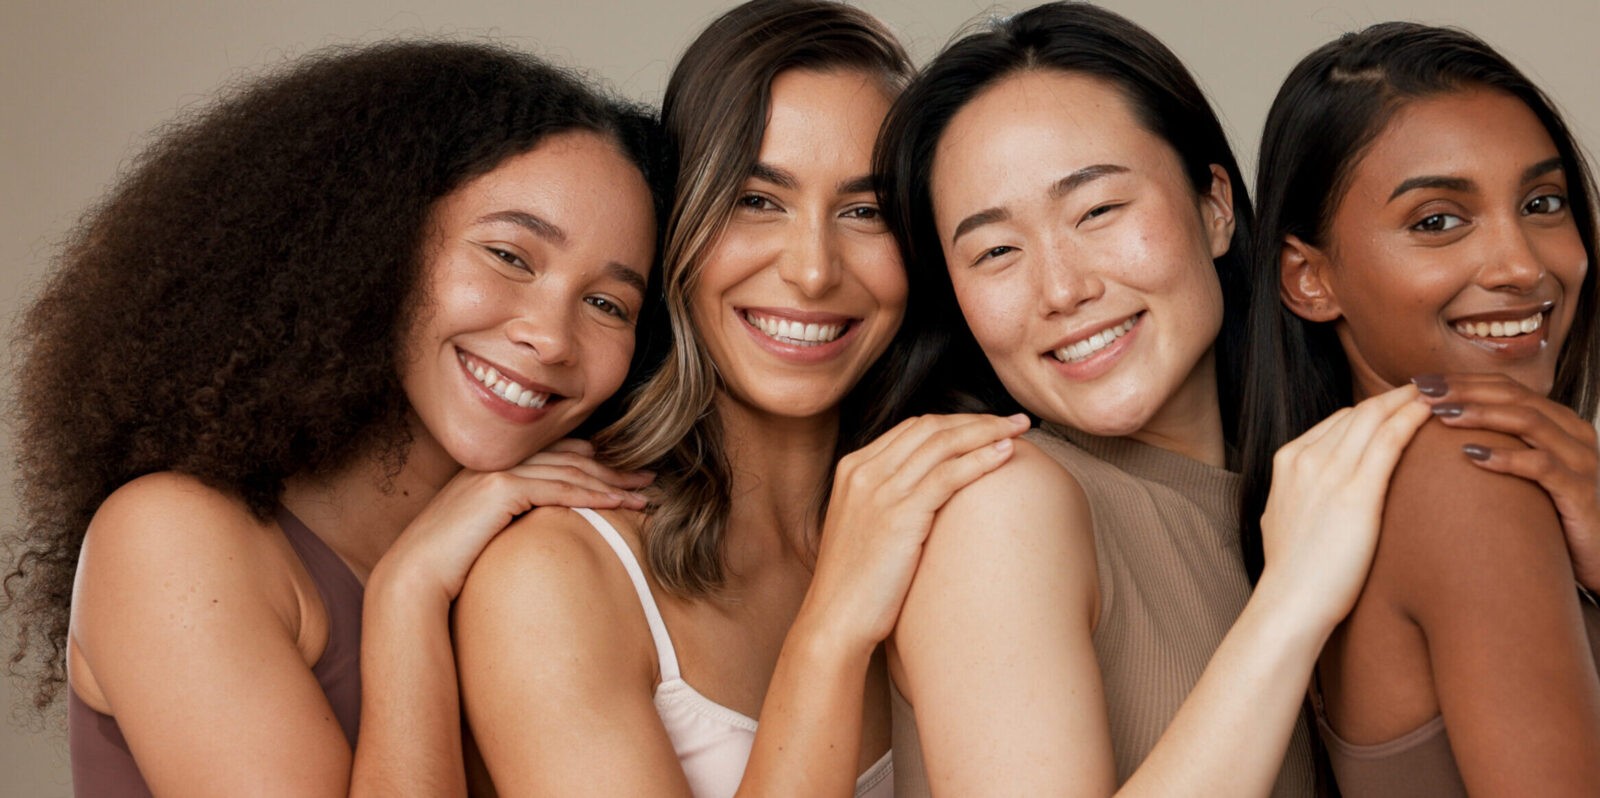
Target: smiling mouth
x: 1082, y: 350
x: 502, y: 386
x: 796, y: 333
x: 1501, y: 329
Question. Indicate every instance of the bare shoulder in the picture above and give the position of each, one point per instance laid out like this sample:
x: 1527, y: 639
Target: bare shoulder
x: 1449, y: 526
x: 1026, y: 526
x: 550, y: 574
x: 166, y: 531
x: 1031, y: 494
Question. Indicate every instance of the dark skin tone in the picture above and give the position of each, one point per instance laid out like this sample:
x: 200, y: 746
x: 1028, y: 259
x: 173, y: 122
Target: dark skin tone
x: 1453, y: 251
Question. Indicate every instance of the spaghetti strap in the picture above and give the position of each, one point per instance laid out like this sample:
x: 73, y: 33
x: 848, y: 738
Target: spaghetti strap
x: 665, y: 653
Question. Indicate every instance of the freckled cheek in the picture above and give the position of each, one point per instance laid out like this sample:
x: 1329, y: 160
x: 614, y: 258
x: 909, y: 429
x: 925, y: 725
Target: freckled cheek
x: 997, y: 311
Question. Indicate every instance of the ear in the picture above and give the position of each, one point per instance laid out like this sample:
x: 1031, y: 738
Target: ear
x: 1303, y: 281
x: 1216, y: 204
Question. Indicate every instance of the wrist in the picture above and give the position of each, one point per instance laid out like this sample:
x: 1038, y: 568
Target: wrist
x: 825, y: 643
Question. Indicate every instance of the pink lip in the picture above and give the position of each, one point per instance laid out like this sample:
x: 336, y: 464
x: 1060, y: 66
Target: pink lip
x: 500, y: 407
x: 1097, y: 364
x: 1085, y: 333
x: 804, y: 355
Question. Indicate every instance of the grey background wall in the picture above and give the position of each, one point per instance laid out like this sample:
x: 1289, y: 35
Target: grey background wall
x: 83, y: 83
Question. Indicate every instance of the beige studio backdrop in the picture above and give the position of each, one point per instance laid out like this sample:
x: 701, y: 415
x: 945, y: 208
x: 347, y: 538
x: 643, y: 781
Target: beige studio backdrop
x: 82, y: 83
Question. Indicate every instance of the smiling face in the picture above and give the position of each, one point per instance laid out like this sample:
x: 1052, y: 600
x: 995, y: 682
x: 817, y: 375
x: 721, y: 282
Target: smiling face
x: 534, y: 275
x: 1453, y: 250
x: 804, y: 288
x: 1081, y: 256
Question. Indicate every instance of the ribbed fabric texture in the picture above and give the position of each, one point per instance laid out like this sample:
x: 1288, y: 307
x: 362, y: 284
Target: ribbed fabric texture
x: 1172, y: 582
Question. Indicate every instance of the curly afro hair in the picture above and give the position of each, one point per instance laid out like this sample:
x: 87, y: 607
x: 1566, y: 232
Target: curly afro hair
x: 233, y: 308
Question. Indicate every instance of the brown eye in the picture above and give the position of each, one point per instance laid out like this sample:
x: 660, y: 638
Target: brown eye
x: 1545, y: 204
x: 510, y: 258
x: 1438, y: 223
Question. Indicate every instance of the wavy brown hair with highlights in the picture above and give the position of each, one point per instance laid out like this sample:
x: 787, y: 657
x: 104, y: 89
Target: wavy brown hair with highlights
x: 233, y: 309
x: 715, y: 112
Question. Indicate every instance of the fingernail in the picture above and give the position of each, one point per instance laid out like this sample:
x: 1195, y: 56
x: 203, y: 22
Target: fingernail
x: 1447, y: 410
x: 646, y: 475
x: 1002, y: 446
x: 1431, y: 384
x: 1476, y: 452
x: 1019, y: 419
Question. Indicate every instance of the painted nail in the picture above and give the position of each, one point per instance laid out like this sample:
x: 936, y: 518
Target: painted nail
x: 1476, y: 452
x: 1431, y: 384
x: 1447, y: 410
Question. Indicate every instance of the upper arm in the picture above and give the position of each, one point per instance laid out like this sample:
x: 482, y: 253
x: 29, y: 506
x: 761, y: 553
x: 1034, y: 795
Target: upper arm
x: 994, y: 642
x: 1478, y: 562
x: 189, y: 628
x: 557, y: 668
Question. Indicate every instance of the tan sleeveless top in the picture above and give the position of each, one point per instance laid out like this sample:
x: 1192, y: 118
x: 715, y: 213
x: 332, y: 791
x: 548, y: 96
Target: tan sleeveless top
x: 1417, y: 764
x: 1172, y: 582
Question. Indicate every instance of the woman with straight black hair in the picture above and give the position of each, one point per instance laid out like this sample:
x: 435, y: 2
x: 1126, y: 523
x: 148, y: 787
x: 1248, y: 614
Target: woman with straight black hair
x: 1081, y: 622
x: 1424, y: 210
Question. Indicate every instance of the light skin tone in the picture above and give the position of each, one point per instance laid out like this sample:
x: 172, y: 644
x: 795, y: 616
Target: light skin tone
x: 791, y: 639
x: 1085, y: 221
x: 180, y: 588
x: 1457, y: 214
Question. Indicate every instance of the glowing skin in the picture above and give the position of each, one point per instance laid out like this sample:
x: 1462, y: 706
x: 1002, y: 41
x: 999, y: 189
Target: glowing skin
x: 536, y: 271
x: 805, y: 288
x: 1081, y: 256
x: 1455, y: 223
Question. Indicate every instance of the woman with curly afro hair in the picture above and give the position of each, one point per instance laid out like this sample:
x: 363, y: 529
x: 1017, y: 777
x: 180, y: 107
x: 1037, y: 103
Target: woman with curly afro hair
x: 363, y: 297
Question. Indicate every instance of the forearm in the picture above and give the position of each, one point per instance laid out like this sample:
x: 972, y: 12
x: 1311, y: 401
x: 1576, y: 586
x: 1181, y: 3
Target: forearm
x: 809, y: 740
x: 410, y: 741
x: 1230, y: 735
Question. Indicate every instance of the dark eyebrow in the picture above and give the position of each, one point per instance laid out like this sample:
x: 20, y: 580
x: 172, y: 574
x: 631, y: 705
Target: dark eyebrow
x: 1059, y: 189
x: 1543, y: 168
x: 859, y: 185
x: 979, y: 219
x: 633, y: 279
x: 1084, y: 176
x: 774, y: 175
x: 529, y: 222
x: 1458, y: 184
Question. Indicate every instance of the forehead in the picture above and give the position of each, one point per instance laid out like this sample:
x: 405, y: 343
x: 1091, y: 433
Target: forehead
x: 1481, y: 133
x: 812, y: 113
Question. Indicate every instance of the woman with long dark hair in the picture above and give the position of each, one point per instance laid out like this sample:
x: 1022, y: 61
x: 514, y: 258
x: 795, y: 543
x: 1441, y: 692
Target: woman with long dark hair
x: 1081, y: 621
x: 1425, y: 210
x: 289, y: 377
x: 630, y: 653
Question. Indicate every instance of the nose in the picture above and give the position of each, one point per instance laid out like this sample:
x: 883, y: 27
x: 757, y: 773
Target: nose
x: 1063, y: 282
x: 1512, y: 263
x: 810, y: 261
x: 547, y: 331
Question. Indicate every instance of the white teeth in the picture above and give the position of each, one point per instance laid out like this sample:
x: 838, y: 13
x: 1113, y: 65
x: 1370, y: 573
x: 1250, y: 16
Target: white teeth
x: 1500, y: 329
x: 794, y: 332
x: 502, y: 387
x: 1094, y: 343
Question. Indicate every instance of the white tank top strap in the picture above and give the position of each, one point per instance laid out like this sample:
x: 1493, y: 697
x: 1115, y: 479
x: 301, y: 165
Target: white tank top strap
x: 665, y: 653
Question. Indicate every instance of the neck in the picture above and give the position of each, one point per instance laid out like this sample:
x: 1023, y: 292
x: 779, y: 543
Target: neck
x: 777, y: 465
x: 359, y: 509
x: 1190, y: 423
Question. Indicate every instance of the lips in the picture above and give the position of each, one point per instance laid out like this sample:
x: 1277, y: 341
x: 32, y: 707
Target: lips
x: 1088, y: 345
x: 513, y: 390
x: 1509, y: 328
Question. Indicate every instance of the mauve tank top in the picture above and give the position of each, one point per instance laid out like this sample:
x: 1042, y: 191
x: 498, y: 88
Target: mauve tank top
x: 103, y: 766
x: 1417, y: 764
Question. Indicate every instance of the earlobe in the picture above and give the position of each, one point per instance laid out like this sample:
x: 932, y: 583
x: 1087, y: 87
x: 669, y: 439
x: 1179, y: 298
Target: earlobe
x: 1218, y: 202
x: 1302, y: 281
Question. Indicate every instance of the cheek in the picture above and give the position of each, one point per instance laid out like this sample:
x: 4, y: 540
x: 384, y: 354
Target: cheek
x: 605, y: 359
x: 995, y: 307
x: 876, y: 263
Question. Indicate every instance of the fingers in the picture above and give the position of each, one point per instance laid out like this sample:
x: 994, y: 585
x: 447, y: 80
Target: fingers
x: 1394, y: 410
x: 1536, y: 465
x: 1466, y: 400
x: 909, y: 459
x: 531, y: 479
x: 626, y: 480
x: 573, y: 445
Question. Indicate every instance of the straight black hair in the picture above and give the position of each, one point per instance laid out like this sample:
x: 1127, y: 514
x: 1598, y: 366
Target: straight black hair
x: 1066, y: 37
x: 1335, y: 102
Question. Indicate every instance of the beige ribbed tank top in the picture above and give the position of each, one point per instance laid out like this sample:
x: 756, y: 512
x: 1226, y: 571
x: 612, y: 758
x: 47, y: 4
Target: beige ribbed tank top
x: 1172, y: 582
